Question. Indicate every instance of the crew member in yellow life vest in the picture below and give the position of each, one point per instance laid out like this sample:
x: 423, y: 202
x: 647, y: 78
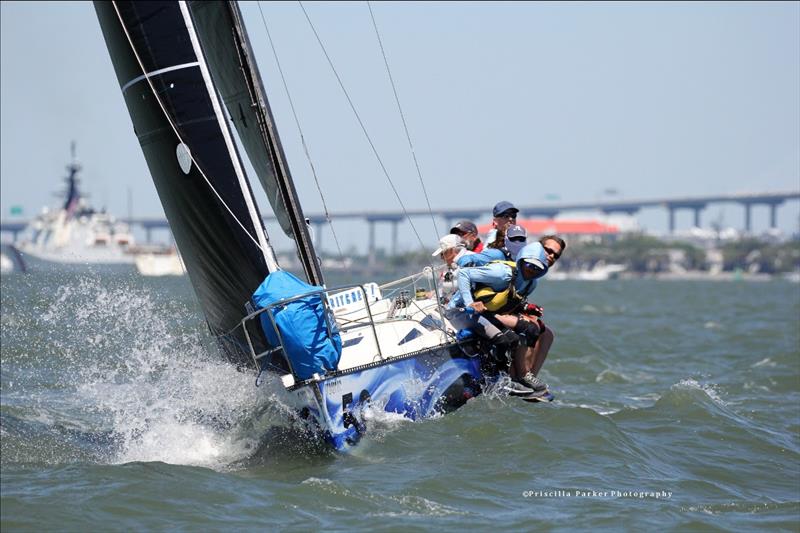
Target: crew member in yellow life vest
x: 497, y: 292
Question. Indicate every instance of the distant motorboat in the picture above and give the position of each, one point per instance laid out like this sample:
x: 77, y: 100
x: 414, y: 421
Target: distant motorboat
x: 6, y: 265
x: 10, y: 259
x: 76, y: 236
x: 167, y: 263
x: 599, y: 272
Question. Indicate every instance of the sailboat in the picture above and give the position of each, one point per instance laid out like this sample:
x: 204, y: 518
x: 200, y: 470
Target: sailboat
x: 181, y: 67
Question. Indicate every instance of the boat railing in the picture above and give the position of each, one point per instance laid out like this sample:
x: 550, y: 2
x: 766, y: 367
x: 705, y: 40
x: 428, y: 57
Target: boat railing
x: 399, y: 295
x: 403, y: 295
x: 259, y: 352
x: 426, y: 277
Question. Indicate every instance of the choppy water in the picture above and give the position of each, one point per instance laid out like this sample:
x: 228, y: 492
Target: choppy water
x: 678, y: 407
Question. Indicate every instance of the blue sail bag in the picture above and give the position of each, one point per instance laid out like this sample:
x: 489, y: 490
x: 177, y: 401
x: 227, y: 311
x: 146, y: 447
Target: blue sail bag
x: 307, y: 344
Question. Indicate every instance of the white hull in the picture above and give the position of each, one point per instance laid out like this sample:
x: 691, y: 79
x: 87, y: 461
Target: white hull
x: 36, y: 261
x: 155, y: 264
x: 598, y: 273
x: 6, y: 265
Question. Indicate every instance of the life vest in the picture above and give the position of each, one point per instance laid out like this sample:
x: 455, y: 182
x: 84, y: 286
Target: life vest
x: 499, y: 301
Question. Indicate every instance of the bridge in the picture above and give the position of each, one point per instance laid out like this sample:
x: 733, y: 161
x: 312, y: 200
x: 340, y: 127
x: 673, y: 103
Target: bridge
x: 550, y: 210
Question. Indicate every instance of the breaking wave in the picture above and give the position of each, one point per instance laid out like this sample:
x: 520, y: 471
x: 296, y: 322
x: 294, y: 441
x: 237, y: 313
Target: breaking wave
x: 132, y: 378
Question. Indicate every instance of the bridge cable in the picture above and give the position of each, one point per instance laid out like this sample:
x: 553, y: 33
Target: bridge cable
x: 403, y: 118
x: 302, y: 137
x: 363, y: 128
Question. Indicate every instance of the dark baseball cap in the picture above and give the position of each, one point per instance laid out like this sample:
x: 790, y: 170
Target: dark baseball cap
x: 464, y: 226
x: 502, y: 207
x: 516, y: 231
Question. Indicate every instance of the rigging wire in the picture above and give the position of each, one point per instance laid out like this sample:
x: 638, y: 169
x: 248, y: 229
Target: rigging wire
x: 300, y: 129
x: 363, y: 128
x: 403, y: 118
x: 178, y: 135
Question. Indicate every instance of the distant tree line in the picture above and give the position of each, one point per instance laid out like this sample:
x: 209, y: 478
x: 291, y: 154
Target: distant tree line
x: 647, y: 254
x: 770, y: 257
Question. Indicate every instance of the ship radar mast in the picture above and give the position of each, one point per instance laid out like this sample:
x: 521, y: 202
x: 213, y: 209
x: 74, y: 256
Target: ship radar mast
x: 73, y: 194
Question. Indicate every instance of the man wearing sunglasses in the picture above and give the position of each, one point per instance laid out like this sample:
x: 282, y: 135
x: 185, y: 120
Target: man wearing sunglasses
x: 533, y: 359
x: 553, y: 247
x: 497, y: 292
x: 504, y: 214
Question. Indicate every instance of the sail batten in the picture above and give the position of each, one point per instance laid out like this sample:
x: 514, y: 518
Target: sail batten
x: 157, y: 72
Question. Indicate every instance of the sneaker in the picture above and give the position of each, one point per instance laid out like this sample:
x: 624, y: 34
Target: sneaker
x: 540, y: 396
x: 532, y: 382
x: 515, y: 388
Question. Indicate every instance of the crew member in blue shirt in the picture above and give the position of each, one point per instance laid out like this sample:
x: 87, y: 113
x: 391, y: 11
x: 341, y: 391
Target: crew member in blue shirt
x: 452, y: 250
x: 515, y: 239
x: 501, y: 291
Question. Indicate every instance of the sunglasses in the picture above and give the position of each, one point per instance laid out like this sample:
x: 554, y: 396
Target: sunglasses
x: 552, y: 252
x: 517, y: 239
x: 507, y: 214
x: 530, y: 266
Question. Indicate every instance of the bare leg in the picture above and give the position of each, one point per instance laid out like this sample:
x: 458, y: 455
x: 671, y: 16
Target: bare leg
x: 520, y: 363
x: 509, y: 321
x: 534, y: 357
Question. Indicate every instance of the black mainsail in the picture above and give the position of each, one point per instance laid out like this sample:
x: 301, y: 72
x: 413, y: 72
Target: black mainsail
x: 177, y: 115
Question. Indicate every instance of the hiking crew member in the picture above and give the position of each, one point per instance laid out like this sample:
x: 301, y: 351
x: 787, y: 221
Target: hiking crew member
x: 497, y: 292
x: 504, y: 215
x: 469, y: 234
x: 451, y: 249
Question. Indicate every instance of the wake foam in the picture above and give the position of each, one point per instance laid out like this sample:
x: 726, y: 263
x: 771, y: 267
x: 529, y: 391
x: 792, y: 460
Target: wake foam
x: 139, y: 368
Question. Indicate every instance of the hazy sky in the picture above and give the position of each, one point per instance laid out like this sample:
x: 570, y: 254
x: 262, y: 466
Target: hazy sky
x: 517, y: 101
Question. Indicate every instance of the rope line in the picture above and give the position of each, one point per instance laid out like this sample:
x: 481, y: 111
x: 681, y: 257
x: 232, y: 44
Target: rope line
x: 177, y: 134
x: 302, y: 136
x: 403, y: 118
x: 363, y: 128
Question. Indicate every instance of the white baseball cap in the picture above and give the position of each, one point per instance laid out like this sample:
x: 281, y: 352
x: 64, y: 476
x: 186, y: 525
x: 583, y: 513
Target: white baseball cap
x: 448, y: 242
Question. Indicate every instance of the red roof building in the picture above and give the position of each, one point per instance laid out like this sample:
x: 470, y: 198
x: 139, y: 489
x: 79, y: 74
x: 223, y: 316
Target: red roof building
x: 561, y: 227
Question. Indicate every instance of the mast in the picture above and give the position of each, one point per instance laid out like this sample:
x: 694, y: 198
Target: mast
x: 233, y: 66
